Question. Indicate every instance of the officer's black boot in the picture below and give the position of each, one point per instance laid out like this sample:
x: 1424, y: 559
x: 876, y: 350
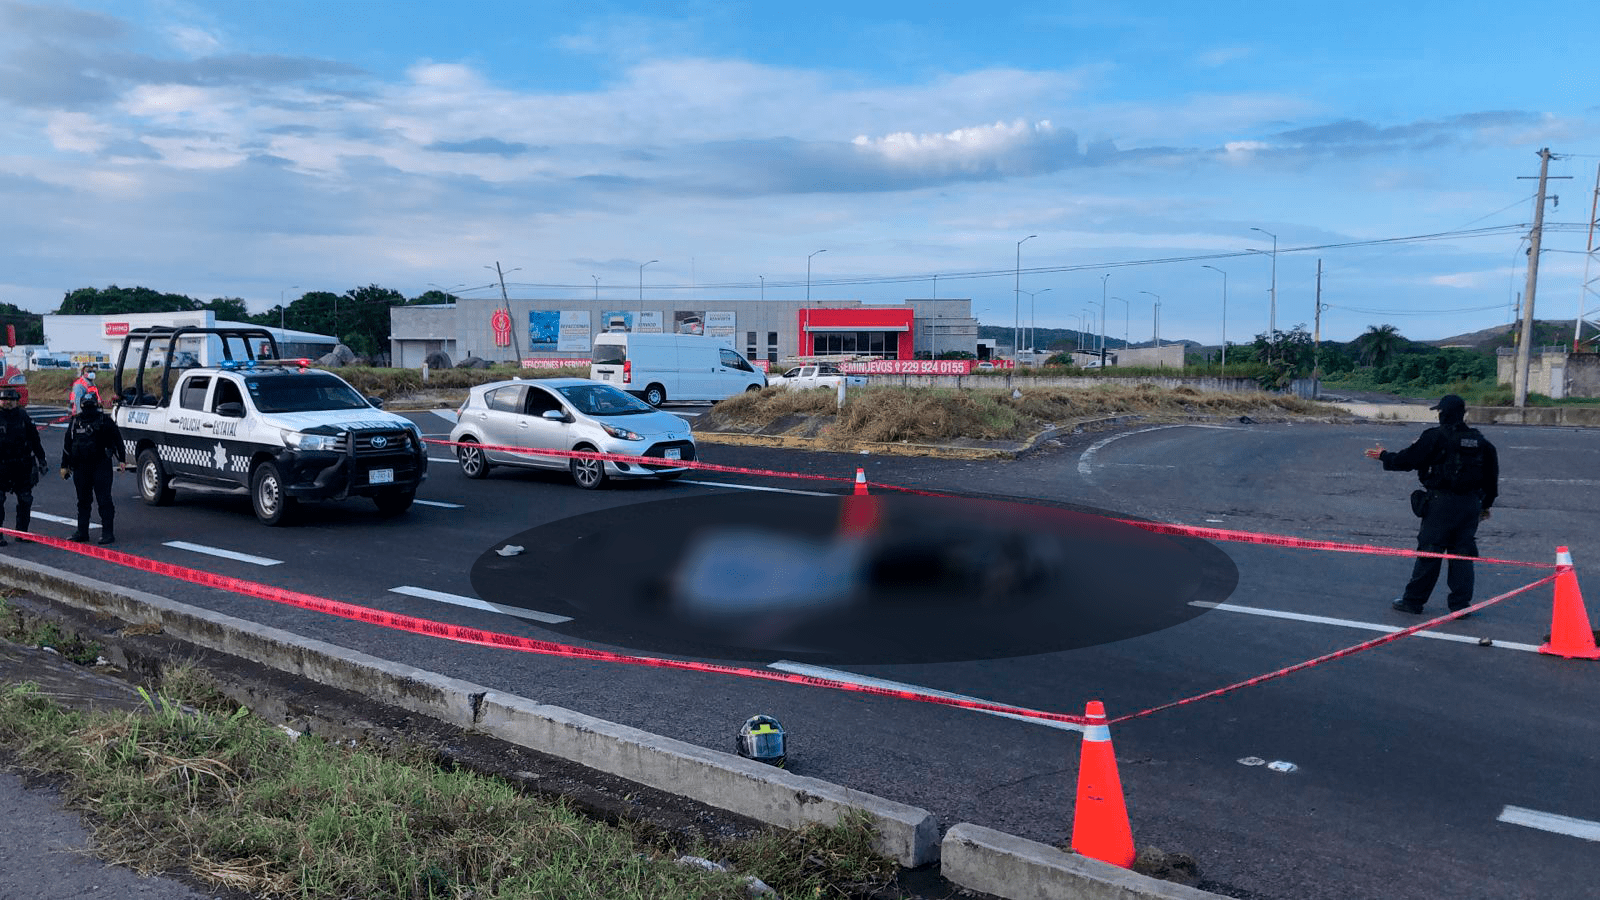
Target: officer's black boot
x: 24, y: 519
x: 108, y: 531
x: 82, y: 534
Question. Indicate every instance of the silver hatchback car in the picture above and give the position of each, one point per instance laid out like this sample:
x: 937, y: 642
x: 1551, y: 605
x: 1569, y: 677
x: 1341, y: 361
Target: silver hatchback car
x: 568, y: 414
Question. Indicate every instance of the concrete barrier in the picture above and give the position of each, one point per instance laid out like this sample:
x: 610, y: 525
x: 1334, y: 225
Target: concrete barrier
x: 722, y: 780
x: 982, y: 859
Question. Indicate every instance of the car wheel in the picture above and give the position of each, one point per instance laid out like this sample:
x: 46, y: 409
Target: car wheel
x: 752, y: 389
x: 153, y: 484
x: 589, y: 474
x: 655, y: 395
x: 473, y: 463
x: 393, y: 501
x: 272, y: 503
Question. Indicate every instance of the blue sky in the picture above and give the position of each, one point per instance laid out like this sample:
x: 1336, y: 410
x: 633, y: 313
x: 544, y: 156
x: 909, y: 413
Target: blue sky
x: 252, y: 149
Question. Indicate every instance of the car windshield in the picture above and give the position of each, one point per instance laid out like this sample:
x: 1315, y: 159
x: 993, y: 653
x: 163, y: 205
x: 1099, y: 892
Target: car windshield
x: 603, y: 400
x: 302, y: 393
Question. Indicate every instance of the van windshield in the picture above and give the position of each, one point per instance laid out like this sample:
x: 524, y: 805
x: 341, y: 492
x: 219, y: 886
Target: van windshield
x: 609, y: 354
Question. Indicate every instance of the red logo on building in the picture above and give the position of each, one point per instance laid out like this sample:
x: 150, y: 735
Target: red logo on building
x: 501, y: 323
x: 116, y: 329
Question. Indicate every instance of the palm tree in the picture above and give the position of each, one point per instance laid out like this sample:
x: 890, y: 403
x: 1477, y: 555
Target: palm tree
x: 1378, y: 344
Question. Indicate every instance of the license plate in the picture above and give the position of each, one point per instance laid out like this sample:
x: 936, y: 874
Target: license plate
x: 674, y: 453
x: 605, y: 376
x: 381, y: 476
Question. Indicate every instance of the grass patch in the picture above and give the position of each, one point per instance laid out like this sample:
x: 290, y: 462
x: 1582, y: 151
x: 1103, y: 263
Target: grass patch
x: 192, y: 782
x: 45, y: 634
x: 917, y: 414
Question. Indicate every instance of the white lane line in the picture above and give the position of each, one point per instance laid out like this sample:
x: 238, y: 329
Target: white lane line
x: 449, y: 415
x: 1364, y: 626
x: 225, y: 554
x: 61, y: 519
x: 753, y: 487
x: 1532, y: 818
x: 448, y: 459
x: 1086, y: 461
x: 439, y: 504
x: 868, y: 681
x: 475, y: 603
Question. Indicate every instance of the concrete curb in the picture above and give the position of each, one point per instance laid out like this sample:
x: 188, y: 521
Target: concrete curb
x: 906, y: 834
x: 982, y: 859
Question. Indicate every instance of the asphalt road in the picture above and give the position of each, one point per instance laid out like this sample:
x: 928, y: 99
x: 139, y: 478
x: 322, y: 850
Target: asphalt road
x: 1404, y: 758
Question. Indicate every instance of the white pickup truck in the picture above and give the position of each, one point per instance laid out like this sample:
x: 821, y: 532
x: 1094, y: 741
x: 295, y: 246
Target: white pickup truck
x: 802, y: 377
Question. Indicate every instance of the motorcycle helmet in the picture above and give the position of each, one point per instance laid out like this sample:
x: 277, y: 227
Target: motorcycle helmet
x: 762, y: 739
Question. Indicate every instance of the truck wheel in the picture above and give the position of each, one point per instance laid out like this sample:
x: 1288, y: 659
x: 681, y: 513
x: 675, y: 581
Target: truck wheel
x: 272, y: 503
x: 153, y: 484
x: 655, y: 395
x: 589, y: 474
x: 474, y: 464
x: 393, y: 501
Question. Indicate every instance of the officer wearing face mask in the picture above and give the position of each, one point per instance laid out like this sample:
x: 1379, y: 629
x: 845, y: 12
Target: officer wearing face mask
x: 1460, y: 474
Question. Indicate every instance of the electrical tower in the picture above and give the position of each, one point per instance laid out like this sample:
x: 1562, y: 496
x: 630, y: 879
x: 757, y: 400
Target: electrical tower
x: 1588, y: 294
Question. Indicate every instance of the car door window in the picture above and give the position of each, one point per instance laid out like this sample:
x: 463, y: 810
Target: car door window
x: 507, y: 399
x: 193, y: 395
x: 541, y: 401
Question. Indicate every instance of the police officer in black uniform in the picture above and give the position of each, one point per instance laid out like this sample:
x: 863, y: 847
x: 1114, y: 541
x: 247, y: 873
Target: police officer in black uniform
x: 21, y: 457
x: 93, y: 441
x: 1460, y: 471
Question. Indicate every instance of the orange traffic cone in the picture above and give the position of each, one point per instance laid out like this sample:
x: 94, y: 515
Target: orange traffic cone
x: 1570, y: 635
x: 1100, y: 821
x: 861, y: 482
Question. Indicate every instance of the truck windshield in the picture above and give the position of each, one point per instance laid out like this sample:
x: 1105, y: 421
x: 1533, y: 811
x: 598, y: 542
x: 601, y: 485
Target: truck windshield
x: 302, y: 393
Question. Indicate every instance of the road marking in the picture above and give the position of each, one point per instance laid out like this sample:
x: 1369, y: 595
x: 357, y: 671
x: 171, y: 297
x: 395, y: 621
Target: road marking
x: 1532, y: 818
x: 439, y: 504
x: 753, y: 487
x: 62, y: 519
x: 1351, y: 623
x: 225, y: 554
x: 448, y: 459
x: 1086, y: 461
x: 795, y: 668
x: 448, y: 415
x: 475, y: 603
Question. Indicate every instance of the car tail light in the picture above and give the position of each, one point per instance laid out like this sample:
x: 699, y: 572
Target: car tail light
x: 627, y: 372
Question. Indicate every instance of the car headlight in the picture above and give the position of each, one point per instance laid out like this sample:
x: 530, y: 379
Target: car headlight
x: 620, y: 433
x: 299, y: 440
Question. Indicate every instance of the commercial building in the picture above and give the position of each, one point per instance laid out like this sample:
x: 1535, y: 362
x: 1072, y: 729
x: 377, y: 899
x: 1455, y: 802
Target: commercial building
x: 99, y: 337
x: 556, y: 332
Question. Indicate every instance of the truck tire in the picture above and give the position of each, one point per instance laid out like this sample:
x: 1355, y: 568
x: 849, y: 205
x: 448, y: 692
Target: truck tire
x: 272, y: 503
x: 154, y: 486
x: 655, y: 395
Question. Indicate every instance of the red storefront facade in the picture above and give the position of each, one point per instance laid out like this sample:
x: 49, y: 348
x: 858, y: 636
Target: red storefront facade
x: 881, y: 331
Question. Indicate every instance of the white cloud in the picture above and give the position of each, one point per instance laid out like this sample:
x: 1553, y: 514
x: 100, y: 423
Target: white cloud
x: 195, y: 42
x: 974, y: 148
x: 77, y: 132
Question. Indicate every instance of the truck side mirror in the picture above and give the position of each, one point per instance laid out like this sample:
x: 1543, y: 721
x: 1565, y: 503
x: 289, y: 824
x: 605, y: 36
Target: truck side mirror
x: 376, y: 402
x: 232, y: 410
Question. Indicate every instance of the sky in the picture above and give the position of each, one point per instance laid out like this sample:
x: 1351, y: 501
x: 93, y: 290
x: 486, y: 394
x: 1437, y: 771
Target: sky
x: 1046, y: 159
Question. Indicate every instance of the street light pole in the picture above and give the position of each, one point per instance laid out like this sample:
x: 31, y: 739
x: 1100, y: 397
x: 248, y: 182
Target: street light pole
x: 1272, y: 314
x: 1125, y: 307
x: 596, y: 287
x: 1224, y: 313
x: 281, y: 318
x: 763, y: 286
x: 1016, y: 304
x: 808, y: 272
x: 1033, y: 321
x: 641, y: 280
x: 1104, y: 279
x: 1156, y: 334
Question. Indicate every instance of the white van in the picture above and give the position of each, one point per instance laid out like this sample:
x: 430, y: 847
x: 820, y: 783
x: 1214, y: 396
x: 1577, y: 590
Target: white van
x: 661, y: 367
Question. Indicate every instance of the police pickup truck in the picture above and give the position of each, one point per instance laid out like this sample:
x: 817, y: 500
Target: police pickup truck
x: 277, y: 430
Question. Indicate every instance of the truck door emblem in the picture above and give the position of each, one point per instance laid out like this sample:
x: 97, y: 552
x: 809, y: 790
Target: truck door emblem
x: 219, y: 456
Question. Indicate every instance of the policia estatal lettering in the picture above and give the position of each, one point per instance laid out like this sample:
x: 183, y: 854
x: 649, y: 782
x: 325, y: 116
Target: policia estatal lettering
x: 21, y: 458
x: 1460, y: 472
x: 93, y: 441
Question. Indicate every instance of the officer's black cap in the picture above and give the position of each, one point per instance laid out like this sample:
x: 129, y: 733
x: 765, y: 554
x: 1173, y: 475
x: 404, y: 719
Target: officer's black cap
x: 1450, y: 403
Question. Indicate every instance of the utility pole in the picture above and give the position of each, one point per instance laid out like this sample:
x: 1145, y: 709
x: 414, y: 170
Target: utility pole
x: 516, y: 355
x: 1316, y: 334
x: 1524, y: 348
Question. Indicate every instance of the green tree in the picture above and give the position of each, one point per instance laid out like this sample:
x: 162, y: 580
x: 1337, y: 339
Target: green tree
x: 1378, y: 345
x: 1287, y: 355
x: 228, y: 309
x: 115, y: 300
x: 28, y: 325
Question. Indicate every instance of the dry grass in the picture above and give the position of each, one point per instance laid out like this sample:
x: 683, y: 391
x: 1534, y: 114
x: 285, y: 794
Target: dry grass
x: 914, y: 415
